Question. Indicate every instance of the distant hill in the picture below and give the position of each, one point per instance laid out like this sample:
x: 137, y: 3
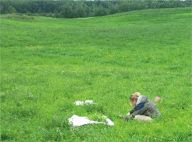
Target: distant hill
x: 84, y: 8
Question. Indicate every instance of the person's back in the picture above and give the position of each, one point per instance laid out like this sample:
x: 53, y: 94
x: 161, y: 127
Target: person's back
x: 151, y: 110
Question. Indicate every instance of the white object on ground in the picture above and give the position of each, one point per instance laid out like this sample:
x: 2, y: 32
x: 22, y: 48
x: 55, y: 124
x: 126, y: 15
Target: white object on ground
x: 109, y: 122
x: 78, y: 103
x: 143, y: 118
x: 86, y: 102
x: 76, y: 121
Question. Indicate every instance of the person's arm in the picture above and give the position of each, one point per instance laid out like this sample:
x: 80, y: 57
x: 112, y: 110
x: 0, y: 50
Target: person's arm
x: 137, y: 110
x: 141, y: 110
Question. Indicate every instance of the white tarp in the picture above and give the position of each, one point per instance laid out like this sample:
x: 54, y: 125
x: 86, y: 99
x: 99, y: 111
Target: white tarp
x: 76, y: 121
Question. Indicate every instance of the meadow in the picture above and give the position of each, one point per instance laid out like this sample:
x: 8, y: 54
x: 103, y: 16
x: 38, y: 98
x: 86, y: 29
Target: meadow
x: 48, y: 63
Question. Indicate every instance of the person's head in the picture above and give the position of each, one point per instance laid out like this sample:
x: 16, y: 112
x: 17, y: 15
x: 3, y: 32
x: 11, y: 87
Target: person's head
x: 133, y: 98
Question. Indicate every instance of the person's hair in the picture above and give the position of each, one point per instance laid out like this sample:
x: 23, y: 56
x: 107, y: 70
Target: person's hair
x: 133, y: 97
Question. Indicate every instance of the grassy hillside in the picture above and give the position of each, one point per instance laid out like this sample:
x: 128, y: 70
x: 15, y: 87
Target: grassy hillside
x: 48, y: 63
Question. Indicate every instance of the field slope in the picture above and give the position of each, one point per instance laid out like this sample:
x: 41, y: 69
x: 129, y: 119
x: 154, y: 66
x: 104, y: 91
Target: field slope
x: 48, y: 63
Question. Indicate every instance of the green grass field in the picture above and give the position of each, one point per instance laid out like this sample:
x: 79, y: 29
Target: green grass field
x: 48, y: 63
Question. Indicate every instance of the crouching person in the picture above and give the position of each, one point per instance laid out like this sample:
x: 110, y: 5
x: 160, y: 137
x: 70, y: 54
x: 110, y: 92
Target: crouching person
x: 143, y: 109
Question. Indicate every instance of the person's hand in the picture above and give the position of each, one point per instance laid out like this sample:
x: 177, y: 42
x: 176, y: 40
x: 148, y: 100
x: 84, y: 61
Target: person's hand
x: 128, y: 117
x: 157, y: 99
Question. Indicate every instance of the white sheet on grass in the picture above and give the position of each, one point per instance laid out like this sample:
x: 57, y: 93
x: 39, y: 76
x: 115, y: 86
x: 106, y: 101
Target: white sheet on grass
x: 76, y: 121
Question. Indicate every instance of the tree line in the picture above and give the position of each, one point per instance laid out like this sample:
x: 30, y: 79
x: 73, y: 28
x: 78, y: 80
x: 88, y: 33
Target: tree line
x: 84, y: 8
